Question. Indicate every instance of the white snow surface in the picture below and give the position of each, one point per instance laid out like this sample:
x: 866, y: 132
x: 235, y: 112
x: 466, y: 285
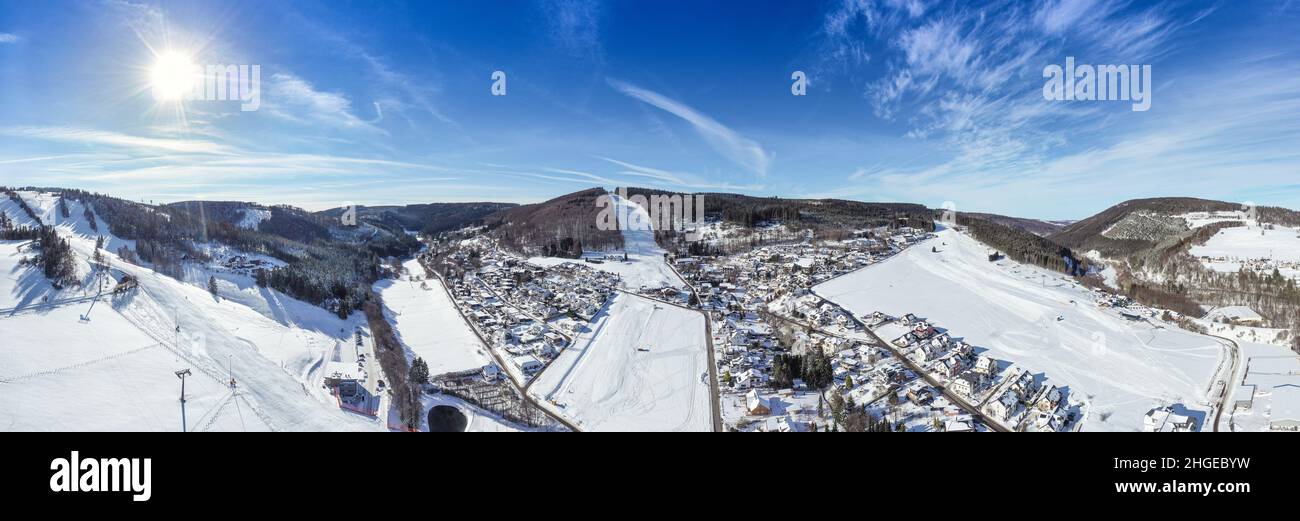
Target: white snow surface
x: 1119, y: 369
x: 1244, y: 243
x: 115, y: 371
x: 252, y: 218
x: 640, y: 366
x: 428, y: 325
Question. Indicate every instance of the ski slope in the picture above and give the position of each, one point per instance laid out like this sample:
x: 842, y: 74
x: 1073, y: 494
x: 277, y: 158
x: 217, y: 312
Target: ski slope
x: 115, y: 371
x: 1120, y: 369
x: 428, y: 325
x: 640, y: 366
x: 645, y: 267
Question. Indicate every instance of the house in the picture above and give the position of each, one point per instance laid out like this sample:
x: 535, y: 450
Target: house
x: 757, y: 405
x: 1004, y: 406
x: 529, y: 364
x: 1049, y: 421
x: 1164, y: 419
x: 491, y: 372
x: 920, y: 396
x: 1050, y: 400
x: 966, y: 383
x: 962, y: 349
x: 986, y: 365
x: 922, y: 330
x: 923, y: 353
x: 951, y: 366
x: 343, y: 377
x: 1025, y: 385
x: 749, y: 379
x: 958, y: 426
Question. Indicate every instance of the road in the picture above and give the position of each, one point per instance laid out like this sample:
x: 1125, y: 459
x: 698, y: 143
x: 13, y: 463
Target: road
x: 1234, y: 354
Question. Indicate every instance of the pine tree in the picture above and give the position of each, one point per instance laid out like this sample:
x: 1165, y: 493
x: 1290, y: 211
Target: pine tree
x: 419, y: 371
x: 212, y: 285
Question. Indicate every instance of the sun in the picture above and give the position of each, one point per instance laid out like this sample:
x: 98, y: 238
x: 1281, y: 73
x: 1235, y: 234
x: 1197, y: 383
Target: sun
x: 173, y: 76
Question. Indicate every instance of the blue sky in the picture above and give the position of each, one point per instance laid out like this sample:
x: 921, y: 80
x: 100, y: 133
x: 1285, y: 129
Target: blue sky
x: 908, y: 100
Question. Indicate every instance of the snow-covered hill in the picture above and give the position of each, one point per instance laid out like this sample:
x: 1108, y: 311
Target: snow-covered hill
x: 645, y: 266
x: 75, y: 361
x: 1121, y: 368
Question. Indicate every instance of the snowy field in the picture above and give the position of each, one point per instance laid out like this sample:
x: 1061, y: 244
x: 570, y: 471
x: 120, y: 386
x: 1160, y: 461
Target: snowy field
x: 1119, y: 369
x: 1237, y: 244
x: 645, y: 266
x: 114, y: 371
x: 641, y: 366
x: 428, y: 324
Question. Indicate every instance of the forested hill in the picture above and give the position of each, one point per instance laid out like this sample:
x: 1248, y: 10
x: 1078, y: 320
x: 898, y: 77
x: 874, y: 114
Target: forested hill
x: 326, y: 264
x: 561, y: 227
x: 1022, y: 245
x: 820, y: 214
x: 429, y: 219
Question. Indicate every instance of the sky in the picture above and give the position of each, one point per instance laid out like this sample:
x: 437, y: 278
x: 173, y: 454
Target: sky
x: 906, y: 100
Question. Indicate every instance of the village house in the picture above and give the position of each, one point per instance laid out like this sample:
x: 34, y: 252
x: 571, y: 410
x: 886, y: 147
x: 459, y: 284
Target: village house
x: 1005, y: 406
x: 757, y: 405
x: 1164, y: 419
x: 966, y: 383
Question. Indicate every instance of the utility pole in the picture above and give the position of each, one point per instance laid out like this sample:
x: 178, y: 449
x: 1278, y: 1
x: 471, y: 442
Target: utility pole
x: 182, y: 374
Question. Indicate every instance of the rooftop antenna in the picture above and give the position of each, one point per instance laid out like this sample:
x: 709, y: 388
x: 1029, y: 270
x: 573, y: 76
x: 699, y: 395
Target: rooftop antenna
x: 182, y: 374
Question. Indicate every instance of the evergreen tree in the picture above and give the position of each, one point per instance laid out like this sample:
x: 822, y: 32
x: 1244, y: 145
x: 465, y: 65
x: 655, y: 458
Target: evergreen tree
x: 212, y: 285
x: 419, y: 371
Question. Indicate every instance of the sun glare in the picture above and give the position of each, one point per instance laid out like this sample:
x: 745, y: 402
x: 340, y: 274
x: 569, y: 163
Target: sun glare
x: 173, y: 76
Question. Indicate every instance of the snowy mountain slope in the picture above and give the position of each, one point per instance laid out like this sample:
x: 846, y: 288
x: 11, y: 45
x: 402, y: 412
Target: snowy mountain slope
x: 274, y: 349
x: 640, y: 366
x: 645, y: 266
x: 1122, y: 368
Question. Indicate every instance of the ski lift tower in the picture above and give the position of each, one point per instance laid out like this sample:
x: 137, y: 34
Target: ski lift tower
x: 182, y: 374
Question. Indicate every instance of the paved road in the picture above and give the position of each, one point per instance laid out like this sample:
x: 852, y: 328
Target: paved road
x: 1234, y: 353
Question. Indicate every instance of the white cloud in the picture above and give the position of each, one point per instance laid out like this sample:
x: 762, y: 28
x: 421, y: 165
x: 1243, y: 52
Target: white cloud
x: 741, y: 150
x: 116, y: 139
x: 295, y: 99
x: 9, y: 38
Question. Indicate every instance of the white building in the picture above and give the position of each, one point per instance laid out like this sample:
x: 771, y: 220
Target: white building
x: 1164, y: 419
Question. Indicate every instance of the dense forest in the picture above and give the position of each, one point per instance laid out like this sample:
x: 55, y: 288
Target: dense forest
x: 320, y: 268
x: 428, y: 219
x: 561, y: 227
x: 1023, y: 246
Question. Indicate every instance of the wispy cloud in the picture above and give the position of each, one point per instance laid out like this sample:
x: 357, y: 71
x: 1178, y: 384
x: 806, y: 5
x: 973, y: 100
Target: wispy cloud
x: 117, y: 139
x: 293, y: 98
x: 9, y: 38
x: 739, y: 149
